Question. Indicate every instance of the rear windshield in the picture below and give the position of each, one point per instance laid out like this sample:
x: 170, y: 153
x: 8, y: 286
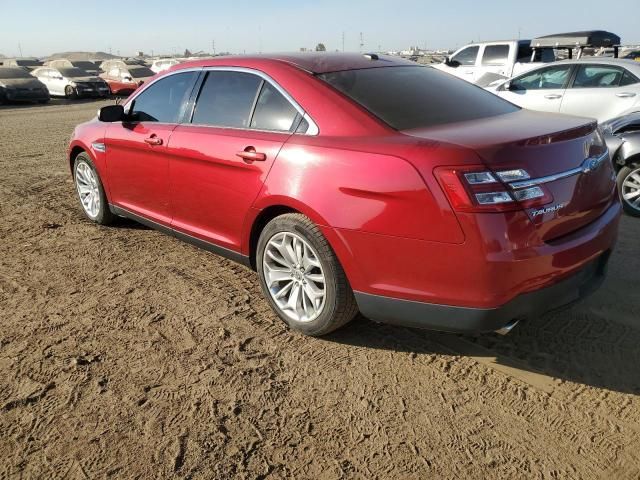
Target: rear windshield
x: 73, y: 72
x: 13, y: 73
x: 141, y: 72
x: 413, y: 97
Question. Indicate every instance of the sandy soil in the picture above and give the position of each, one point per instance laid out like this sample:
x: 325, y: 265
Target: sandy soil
x: 125, y: 353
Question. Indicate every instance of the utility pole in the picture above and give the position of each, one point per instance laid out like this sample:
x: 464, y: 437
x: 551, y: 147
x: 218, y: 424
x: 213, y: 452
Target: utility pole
x: 343, y: 41
x: 20, y: 48
x: 213, y: 46
x: 361, y: 41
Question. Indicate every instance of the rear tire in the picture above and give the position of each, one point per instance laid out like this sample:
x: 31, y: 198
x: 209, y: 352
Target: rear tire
x: 93, y: 199
x: 628, y: 179
x: 312, y: 268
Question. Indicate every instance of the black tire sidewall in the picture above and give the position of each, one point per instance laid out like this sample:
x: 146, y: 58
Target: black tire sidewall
x: 622, y: 175
x: 104, y: 216
x: 329, y: 267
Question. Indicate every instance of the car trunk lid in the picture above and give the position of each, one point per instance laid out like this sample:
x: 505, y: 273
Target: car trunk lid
x: 560, y: 154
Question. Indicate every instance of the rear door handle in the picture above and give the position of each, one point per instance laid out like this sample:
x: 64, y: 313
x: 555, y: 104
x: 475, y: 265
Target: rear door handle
x: 249, y: 154
x: 553, y: 96
x: 625, y: 94
x: 153, y: 140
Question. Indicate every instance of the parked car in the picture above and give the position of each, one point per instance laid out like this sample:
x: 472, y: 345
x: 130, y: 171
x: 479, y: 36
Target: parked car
x: 124, y: 63
x: 632, y: 55
x: 163, y: 64
x: 25, y: 63
x: 596, y: 87
x: 17, y: 85
x: 358, y: 182
x: 124, y: 80
x: 483, y: 63
x: 623, y: 139
x: 71, y: 82
x: 486, y: 62
x: 86, y: 65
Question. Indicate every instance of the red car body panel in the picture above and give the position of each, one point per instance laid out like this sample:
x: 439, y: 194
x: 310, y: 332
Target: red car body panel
x: 371, y: 190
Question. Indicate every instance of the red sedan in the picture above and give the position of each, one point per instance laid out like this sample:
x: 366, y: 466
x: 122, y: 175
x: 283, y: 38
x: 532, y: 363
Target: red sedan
x: 360, y: 183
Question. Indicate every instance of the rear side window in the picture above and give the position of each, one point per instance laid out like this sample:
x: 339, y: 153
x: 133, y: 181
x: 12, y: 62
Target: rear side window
x: 273, y: 111
x: 628, y: 79
x: 544, y: 79
x: 495, y: 55
x: 165, y: 100
x: 597, y: 76
x: 467, y: 56
x: 226, y: 99
x: 413, y: 97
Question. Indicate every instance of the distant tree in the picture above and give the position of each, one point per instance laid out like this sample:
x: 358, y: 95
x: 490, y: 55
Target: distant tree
x: 321, y: 48
x: 187, y: 53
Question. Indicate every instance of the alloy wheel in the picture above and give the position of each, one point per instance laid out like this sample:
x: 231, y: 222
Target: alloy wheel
x: 88, y: 190
x: 631, y: 189
x: 294, y: 276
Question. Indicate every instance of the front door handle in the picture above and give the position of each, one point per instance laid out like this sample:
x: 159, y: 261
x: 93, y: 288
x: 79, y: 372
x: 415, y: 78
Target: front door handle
x: 153, y: 140
x: 553, y: 96
x: 625, y: 94
x: 250, y: 155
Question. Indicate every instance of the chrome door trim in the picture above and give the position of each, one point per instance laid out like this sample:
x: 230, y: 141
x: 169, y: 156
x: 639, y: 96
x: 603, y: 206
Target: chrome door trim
x: 313, y: 127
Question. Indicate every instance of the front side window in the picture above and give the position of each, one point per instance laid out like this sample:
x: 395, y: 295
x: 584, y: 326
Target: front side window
x: 466, y: 56
x: 165, y: 100
x: 597, y: 76
x: 273, y: 111
x: 414, y: 97
x: 226, y: 99
x: 495, y: 55
x: 544, y: 79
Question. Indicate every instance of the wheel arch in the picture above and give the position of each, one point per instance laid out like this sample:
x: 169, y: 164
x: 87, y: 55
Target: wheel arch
x: 269, y: 208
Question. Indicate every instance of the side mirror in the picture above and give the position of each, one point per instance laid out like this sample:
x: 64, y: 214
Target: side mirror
x: 127, y: 79
x: 452, y: 63
x: 111, y: 113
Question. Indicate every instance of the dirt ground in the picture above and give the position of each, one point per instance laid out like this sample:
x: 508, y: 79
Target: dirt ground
x: 125, y: 353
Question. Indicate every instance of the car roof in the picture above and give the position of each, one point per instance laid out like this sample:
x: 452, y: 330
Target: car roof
x: 317, y: 63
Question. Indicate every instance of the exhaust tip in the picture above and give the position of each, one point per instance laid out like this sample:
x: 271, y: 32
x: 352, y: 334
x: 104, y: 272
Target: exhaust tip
x: 508, y: 327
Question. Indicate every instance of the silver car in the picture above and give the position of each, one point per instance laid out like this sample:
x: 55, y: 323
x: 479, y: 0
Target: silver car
x: 71, y: 82
x: 596, y: 87
x: 623, y: 139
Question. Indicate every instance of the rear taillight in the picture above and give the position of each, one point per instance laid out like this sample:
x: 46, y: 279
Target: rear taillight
x: 476, y: 189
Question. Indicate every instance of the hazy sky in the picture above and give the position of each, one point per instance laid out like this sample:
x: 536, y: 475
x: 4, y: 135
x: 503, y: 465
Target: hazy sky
x: 44, y: 27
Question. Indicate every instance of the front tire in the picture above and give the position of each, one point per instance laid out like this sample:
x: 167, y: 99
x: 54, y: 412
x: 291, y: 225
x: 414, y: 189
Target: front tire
x: 90, y: 191
x: 629, y: 189
x: 301, y: 277
x: 70, y: 92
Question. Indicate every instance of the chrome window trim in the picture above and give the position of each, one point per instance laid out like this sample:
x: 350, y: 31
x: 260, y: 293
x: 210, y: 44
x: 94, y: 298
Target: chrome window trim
x: 587, y: 166
x: 313, y: 127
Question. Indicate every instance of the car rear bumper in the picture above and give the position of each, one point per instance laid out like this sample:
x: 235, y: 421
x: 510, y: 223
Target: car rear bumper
x: 451, y: 318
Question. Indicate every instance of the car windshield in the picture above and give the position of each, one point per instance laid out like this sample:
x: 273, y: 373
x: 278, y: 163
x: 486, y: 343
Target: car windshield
x: 28, y: 63
x: 413, y: 97
x: 72, y: 72
x: 13, y: 73
x: 85, y: 65
x: 141, y: 72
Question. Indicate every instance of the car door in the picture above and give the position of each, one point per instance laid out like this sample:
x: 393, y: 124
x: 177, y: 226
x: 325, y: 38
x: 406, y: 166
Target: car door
x: 136, y: 149
x: 601, y: 92
x: 464, y: 63
x: 220, y: 160
x: 57, y: 82
x: 494, y: 60
x: 541, y: 89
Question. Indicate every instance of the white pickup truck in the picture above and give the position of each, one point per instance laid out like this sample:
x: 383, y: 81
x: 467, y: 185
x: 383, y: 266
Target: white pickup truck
x: 485, y: 62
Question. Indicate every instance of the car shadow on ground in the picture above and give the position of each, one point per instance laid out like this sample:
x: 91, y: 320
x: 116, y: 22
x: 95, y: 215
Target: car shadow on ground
x: 572, y: 345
